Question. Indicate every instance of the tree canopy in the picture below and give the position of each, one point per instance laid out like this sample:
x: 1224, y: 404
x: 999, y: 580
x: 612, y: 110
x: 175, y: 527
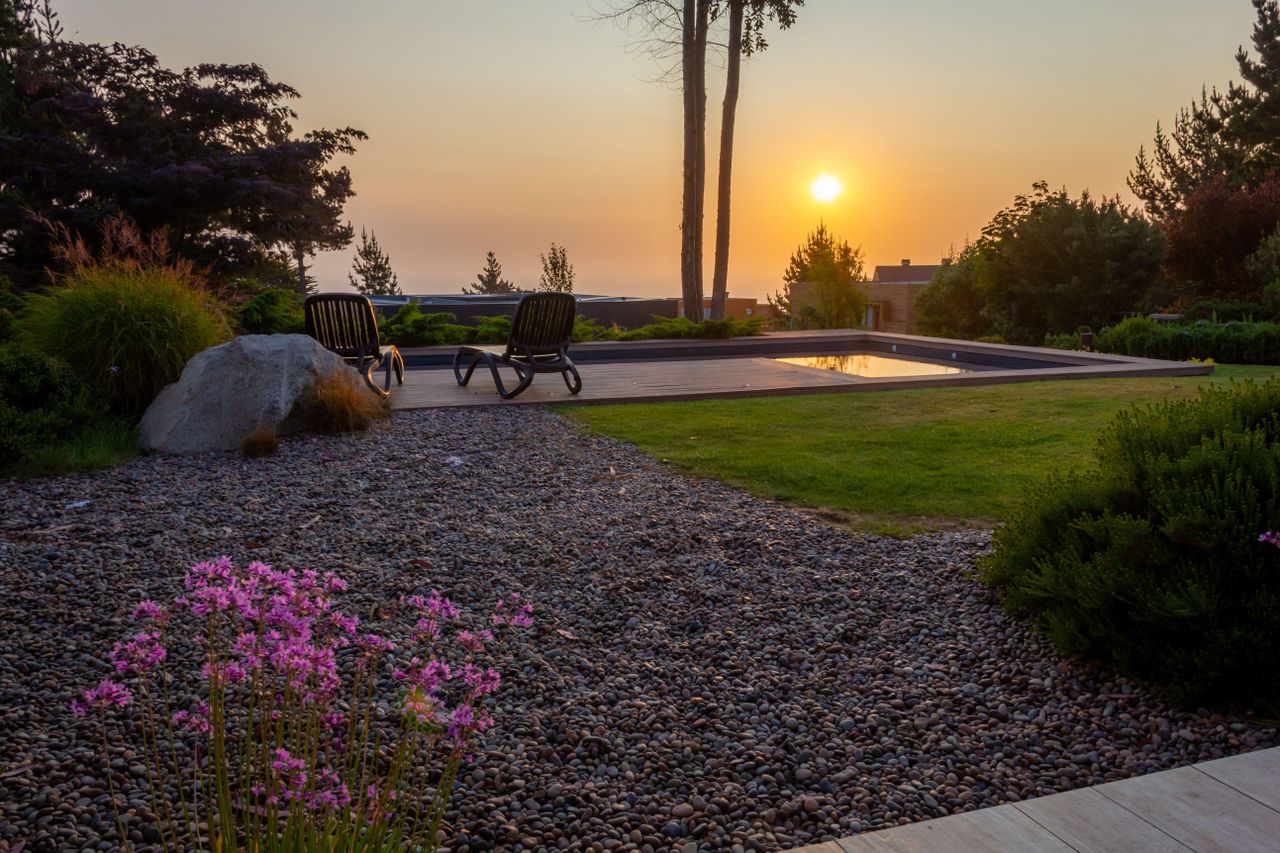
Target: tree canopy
x: 557, y: 272
x: 1046, y: 264
x: 1232, y: 135
x: 208, y: 153
x: 829, y: 270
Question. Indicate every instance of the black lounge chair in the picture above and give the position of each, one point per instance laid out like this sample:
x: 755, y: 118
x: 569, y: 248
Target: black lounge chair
x: 344, y: 323
x: 539, y: 343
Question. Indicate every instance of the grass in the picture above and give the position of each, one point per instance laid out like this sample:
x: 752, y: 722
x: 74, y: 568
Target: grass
x: 102, y: 445
x: 895, y: 462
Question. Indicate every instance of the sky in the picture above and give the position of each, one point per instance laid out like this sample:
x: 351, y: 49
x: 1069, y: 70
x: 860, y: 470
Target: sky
x: 505, y: 125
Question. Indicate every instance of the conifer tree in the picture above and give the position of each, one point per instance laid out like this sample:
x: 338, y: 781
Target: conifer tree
x: 1232, y: 136
x: 490, y: 280
x: 371, y: 272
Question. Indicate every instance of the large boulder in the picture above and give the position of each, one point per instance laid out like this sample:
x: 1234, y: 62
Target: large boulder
x: 227, y: 391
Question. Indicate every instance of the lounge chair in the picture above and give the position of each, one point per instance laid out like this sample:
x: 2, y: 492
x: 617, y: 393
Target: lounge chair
x: 539, y: 343
x: 344, y: 323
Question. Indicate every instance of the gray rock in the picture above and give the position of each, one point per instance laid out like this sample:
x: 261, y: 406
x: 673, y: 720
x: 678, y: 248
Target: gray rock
x: 227, y: 391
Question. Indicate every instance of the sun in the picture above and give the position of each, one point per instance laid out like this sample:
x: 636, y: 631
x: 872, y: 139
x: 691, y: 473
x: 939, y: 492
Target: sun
x: 826, y: 188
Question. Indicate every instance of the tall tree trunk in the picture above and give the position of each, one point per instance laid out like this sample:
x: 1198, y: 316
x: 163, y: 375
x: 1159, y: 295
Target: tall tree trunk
x: 693, y: 61
x: 720, y: 278
x: 300, y: 255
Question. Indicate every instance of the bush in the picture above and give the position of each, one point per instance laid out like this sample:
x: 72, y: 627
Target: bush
x: 410, y: 327
x: 10, y: 303
x: 42, y: 402
x: 1228, y: 343
x: 129, y: 331
x: 1228, y: 311
x: 682, y: 328
x: 1150, y: 559
x: 273, y: 312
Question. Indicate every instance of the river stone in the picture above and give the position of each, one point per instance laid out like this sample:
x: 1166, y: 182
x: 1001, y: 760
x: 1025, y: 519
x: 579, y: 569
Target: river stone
x: 227, y: 391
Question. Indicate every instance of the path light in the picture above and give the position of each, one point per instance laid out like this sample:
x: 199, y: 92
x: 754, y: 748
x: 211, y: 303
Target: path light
x: 1086, y: 338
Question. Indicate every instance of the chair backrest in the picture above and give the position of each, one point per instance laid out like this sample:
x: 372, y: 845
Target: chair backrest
x: 343, y: 322
x: 543, y: 324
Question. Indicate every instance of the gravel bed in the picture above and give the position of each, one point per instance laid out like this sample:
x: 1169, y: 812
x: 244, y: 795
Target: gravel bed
x: 709, y: 671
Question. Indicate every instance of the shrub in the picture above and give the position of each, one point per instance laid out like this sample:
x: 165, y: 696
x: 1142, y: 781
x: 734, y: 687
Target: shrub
x: 342, y: 405
x: 97, y: 444
x: 10, y: 304
x: 260, y: 442
x: 1228, y: 343
x: 490, y: 330
x: 1228, y: 311
x: 411, y: 327
x: 260, y: 714
x: 42, y: 402
x: 273, y: 312
x: 1150, y: 559
x: 127, y: 320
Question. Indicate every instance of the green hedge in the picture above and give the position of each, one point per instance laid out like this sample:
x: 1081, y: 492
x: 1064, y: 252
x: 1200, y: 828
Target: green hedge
x: 410, y: 327
x: 1150, y: 558
x: 1229, y: 343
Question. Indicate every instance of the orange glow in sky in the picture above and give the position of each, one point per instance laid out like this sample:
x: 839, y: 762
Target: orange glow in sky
x: 505, y: 125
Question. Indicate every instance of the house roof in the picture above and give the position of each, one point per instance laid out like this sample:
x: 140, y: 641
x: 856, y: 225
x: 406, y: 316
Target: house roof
x: 909, y: 274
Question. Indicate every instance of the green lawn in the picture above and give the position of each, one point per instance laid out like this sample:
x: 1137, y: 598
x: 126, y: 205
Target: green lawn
x: 894, y: 461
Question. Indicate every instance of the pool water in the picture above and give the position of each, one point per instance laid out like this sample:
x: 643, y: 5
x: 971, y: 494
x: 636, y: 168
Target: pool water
x: 874, y: 366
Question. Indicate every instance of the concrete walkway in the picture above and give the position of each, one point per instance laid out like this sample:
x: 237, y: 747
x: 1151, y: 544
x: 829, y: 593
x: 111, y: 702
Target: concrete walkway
x: 1230, y: 805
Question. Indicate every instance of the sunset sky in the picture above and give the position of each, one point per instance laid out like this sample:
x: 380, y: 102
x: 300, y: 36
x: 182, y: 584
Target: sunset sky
x: 506, y: 124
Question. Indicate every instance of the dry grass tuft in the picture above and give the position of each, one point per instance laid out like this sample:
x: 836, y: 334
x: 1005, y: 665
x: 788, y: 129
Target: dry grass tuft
x: 261, y: 442
x: 345, y: 406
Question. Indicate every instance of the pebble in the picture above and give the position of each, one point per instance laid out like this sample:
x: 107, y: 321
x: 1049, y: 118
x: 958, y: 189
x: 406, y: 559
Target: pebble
x: 708, y: 670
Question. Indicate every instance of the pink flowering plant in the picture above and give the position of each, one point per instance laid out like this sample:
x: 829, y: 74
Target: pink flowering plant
x: 289, y: 743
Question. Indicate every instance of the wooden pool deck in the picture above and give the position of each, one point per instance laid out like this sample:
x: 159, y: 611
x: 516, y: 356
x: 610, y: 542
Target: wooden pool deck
x: 1231, y: 805
x: 741, y: 376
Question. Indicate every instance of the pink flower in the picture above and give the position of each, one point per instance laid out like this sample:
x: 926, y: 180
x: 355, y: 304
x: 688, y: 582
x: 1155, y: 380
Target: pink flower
x: 196, y: 720
x: 139, y: 654
x: 474, y: 640
x: 1271, y: 537
x: 106, y: 695
x: 148, y: 609
x: 481, y: 681
x: 512, y: 612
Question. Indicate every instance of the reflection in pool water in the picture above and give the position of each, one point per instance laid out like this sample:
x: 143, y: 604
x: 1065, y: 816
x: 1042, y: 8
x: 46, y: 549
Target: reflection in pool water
x: 874, y: 366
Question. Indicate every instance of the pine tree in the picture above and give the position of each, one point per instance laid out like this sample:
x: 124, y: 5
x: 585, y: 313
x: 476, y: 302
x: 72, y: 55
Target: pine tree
x: 1233, y: 136
x: 371, y: 272
x: 557, y: 272
x: 490, y: 280
x: 833, y: 268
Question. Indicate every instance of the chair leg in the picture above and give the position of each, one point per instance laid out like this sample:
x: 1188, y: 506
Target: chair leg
x: 398, y: 361
x: 457, y: 372
x: 576, y: 385
x: 526, y: 379
x: 386, y: 381
x: 366, y: 371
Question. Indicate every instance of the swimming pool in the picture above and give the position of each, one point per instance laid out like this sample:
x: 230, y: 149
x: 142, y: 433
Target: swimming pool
x: 877, y: 366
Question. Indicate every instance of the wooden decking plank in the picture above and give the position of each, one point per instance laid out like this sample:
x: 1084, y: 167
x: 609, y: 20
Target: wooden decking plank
x: 1198, y: 810
x: 1255, y: 774
x: 1002, y: 829
x: 871, y: 842
x: 1087, y: 820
